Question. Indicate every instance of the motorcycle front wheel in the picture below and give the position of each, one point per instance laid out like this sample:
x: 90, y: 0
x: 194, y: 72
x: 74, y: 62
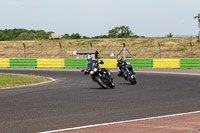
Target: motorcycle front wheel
x: 112, y: 85
x: 132, y: 79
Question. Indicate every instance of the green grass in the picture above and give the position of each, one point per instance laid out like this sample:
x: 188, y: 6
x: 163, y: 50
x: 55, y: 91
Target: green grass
x: 10, y: 80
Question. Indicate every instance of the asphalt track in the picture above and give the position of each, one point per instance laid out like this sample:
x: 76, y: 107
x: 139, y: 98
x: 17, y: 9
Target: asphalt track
x: 73, y: 100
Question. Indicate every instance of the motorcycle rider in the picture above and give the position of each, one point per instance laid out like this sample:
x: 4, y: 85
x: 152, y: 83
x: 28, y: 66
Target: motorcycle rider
x: 89, y: 64
x: 121, y: 67
x: 100, y: 75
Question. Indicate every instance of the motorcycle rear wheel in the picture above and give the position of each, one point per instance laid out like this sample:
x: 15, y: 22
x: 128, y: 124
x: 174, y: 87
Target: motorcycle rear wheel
x: 99, y: 81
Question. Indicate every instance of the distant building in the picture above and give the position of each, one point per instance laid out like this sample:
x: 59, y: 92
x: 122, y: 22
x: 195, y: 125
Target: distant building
x: 56, y: 36
x: 83, y: 54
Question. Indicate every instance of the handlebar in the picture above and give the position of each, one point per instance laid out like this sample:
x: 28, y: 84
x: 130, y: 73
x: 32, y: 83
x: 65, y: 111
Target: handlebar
x: 98, y: 62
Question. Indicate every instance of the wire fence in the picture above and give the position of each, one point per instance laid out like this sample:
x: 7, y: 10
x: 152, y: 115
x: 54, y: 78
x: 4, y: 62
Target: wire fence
x: 108, y: 48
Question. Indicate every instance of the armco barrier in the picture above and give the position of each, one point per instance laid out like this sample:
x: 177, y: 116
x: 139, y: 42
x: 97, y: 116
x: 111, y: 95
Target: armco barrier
x: 75, y: 63
x: 166, y: 63
x: 141, y: 63
x: 23, y: 62
x: 109, y: 63
x: 4, y: 63
x: 190, y: 63
x: 51, y: 63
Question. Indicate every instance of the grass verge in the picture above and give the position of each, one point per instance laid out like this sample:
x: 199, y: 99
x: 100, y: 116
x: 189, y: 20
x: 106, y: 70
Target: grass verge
x: 11, y: 80
x: 139, y: 47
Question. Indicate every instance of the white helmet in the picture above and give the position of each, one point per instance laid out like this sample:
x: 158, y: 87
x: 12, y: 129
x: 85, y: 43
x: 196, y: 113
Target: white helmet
x: 90, y: 57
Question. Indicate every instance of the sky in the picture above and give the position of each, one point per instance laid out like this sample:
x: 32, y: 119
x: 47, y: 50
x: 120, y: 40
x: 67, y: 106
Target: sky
x: 150, y: 18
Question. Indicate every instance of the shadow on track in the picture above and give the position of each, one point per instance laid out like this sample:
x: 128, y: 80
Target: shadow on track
x: 127, y: 84
x: 99, y: 88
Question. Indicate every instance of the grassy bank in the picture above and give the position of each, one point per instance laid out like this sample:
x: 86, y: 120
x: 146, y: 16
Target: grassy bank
x: 138, y: 47
x: 10, y: 80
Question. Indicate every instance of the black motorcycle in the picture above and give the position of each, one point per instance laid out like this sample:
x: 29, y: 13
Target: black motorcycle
x: 100, y: 75
x: 127, y: 72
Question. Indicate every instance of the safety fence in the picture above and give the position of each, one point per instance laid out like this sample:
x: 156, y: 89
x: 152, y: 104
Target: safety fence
x: 108, y: 63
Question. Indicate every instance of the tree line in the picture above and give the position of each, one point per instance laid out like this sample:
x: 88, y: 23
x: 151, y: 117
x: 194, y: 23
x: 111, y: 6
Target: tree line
x: 24, y: 34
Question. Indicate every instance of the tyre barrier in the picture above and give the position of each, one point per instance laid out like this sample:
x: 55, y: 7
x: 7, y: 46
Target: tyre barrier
x: 23, y: 62
x: 108, y: 63
x: 166, y: 63
x: 190, y: 63
x: 50, y: 63
x: 75, y: 63
x: 4, y: 62
x: 141, y: 63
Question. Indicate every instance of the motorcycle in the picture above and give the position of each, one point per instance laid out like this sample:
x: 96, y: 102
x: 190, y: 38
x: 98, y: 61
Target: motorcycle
x: 100, y: 75
x: 128, y: 73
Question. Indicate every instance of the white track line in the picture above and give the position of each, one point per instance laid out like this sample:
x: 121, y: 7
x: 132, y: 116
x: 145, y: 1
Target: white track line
x: 178, y: 73
x: 52, y: 80
x: 119, y: 122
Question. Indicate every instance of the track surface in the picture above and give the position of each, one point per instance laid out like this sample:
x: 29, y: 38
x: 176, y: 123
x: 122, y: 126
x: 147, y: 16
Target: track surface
x: 74, y: 100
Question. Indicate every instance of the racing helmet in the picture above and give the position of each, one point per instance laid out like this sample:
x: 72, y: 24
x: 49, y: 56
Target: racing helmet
x: 119, y: 59
x: 90, y: 57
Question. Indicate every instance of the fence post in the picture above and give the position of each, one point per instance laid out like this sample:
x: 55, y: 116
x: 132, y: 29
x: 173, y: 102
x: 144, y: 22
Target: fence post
x: 124, y: 50
x: 24, y: 50
x: 159, y: 50
x: 60, y: 50
x: 191, y: 50
x: 91, y: 45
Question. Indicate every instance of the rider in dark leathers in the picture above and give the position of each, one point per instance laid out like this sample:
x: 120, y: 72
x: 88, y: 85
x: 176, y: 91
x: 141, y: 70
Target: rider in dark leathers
x: 121, y: 67
x: 100, y: 75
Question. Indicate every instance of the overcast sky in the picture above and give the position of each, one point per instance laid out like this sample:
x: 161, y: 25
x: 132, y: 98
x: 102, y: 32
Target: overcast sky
x: 151, y: 18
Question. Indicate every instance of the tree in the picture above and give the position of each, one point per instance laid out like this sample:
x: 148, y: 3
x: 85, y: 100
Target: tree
x: 40, y: 34
x: 101, y: 36
x: 75, y: 36
x: 169, y: 35
x: 22, y: 34
x: 3, y: 37
x: 120, y: 32
x: 86, y: 37
x: 66, y: 36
